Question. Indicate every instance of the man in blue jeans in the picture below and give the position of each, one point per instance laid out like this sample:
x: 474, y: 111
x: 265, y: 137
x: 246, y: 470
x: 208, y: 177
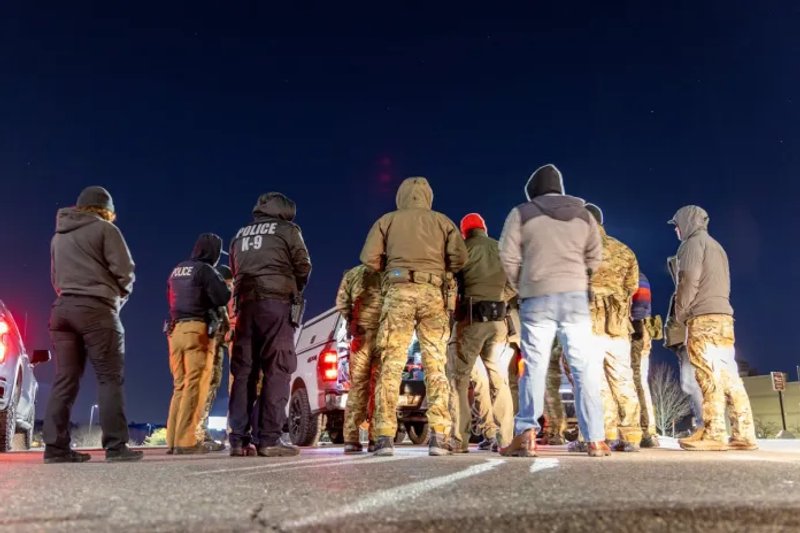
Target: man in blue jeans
x: 549, y: 247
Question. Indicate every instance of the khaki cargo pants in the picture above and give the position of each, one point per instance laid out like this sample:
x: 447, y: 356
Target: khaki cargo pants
x: 710, y: 342
x: 486, y: 340
x: 189, y: 348
x: 408, y: 307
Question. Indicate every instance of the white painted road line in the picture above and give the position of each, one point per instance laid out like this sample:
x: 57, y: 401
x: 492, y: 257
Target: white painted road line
x: 544, y: 463
x: 391, y: 496
x: 370, y: 461
x: 269, y: 465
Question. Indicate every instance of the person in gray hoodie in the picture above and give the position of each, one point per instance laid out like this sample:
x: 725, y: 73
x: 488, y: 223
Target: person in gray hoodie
x: 702, y: 303
x: 549, y: 247
x: 92, y: 274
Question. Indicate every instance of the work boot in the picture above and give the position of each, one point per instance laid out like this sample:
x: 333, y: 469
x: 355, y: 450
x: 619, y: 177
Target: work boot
x: 170, y: 451
x: 704, y: 444
x: 598, y: 449
x: 69, y: 457
x: 437, y: 445
x: 353, y: 447
x: 650, y: 441
x: 124, y: 455
x: 495, y: 447
x: 371, y: 446
x: 553, y: 440
x: 486, y: 444
x: 523, y: 445
x: 578, y: 446
x: 620, y: 445
x: 384, y: 447
x: 279, y: 449
x: 740, y: 444
x: 197, y: 449
x: 243, y: 451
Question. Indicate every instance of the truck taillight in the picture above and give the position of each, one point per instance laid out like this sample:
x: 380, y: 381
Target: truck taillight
x: 328, y: 365
x: 3, y: 339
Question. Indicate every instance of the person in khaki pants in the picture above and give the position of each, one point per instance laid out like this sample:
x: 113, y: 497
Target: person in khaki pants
x: 481, y: 331
x: 195, y: 288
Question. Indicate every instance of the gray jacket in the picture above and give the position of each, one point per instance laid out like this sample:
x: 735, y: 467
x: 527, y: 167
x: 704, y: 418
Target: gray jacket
x: 89, y: 257
x: 548, y: 244
x: 704, y: 279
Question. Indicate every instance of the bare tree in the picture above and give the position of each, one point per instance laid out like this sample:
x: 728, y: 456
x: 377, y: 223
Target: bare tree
x: 670, y: 403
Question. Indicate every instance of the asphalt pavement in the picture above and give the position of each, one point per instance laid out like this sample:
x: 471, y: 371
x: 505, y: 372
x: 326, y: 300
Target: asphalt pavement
x: 323, y: 490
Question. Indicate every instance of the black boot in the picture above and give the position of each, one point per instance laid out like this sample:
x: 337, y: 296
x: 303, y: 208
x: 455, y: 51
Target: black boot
x: 279, y: 449
x: 353, y: 447
x: 68, y: 457
x: 124, y: 455
x: 247, y: 450
x: 487, y: 444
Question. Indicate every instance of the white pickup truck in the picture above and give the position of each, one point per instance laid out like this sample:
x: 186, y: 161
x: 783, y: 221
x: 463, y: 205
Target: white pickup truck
x: 321, y: 382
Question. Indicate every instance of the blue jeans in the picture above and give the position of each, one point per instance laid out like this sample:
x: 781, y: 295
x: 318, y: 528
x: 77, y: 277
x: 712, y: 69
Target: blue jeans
x: 566, y: 315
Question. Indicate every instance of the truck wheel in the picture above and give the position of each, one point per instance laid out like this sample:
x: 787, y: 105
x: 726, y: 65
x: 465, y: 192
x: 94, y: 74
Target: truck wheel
x: 8, y: 427
x: 304, y: 428
x: 23, y: 438
x: 417, y: 432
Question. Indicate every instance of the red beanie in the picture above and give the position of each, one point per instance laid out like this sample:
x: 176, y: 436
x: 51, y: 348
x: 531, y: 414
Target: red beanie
x: 470, y: 222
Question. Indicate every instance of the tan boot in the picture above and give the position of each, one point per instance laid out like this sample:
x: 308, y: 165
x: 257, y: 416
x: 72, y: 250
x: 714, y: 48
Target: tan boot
x: 598, y: 449
x: 742, y: 444
x: 705, y: 445
x: 697, y: 435
x: 523, y: 445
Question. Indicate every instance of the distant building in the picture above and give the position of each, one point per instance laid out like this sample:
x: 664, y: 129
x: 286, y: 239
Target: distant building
x: 766, y: 407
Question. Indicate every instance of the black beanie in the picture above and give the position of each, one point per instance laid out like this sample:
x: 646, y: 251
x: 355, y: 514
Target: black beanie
x: 95, y: 197
x: 545, y: 180
x: 596, y: 212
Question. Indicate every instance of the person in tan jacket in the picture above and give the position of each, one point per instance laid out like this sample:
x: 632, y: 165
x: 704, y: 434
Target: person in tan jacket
x: 417, y: 250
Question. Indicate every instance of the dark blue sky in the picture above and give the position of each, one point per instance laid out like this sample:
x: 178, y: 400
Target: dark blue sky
x: 188, y: 113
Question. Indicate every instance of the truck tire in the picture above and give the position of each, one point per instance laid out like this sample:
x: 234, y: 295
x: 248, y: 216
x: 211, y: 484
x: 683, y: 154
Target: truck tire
x: 23, y: 438
x: 8, y: 426
x: 417, y: 432
x: 304, y: 428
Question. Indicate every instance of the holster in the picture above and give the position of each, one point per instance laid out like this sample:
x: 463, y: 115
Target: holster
x: 487, y: 311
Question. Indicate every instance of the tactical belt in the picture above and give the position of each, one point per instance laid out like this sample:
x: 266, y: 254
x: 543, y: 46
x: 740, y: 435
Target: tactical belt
x: 403, y: 275
x: 488, y: 311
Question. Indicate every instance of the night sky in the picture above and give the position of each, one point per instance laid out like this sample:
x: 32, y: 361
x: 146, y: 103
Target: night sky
x: 187, y: 114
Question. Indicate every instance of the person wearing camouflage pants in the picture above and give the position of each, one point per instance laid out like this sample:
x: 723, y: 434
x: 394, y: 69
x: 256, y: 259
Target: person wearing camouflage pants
x: 418, y: 250
x: 359, y: 301
x: 613, y: 285
x: 702, y: 302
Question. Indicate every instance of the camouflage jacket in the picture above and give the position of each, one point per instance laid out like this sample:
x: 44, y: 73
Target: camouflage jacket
x: 613, y: 284
x: 359, y: 297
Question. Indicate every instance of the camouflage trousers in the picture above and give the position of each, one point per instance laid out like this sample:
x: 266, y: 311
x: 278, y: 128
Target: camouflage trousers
x: 486, y: 340
x: 364, y: 361
x: 408, y: 307
x: 212, y: 378
x: 621, y: 410
x: 710, y: 342
x: 556, y: 422
x: 640, y: 361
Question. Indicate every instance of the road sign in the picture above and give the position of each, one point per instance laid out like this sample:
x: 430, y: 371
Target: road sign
x: 778, y: 381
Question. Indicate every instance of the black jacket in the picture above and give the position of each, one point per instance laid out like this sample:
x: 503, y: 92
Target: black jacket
x: 89, y: 257
x: 194, y: 288
x: 268, y: 256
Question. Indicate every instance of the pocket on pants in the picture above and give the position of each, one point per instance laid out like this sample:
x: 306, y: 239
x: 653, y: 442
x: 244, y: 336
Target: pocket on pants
x: 287, y: 362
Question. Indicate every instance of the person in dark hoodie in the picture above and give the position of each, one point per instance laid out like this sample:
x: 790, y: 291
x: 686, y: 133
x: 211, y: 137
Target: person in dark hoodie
x: 549, y: 247
x: 92, y: 274
x: 271, y: 266
x: 195, y: 291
